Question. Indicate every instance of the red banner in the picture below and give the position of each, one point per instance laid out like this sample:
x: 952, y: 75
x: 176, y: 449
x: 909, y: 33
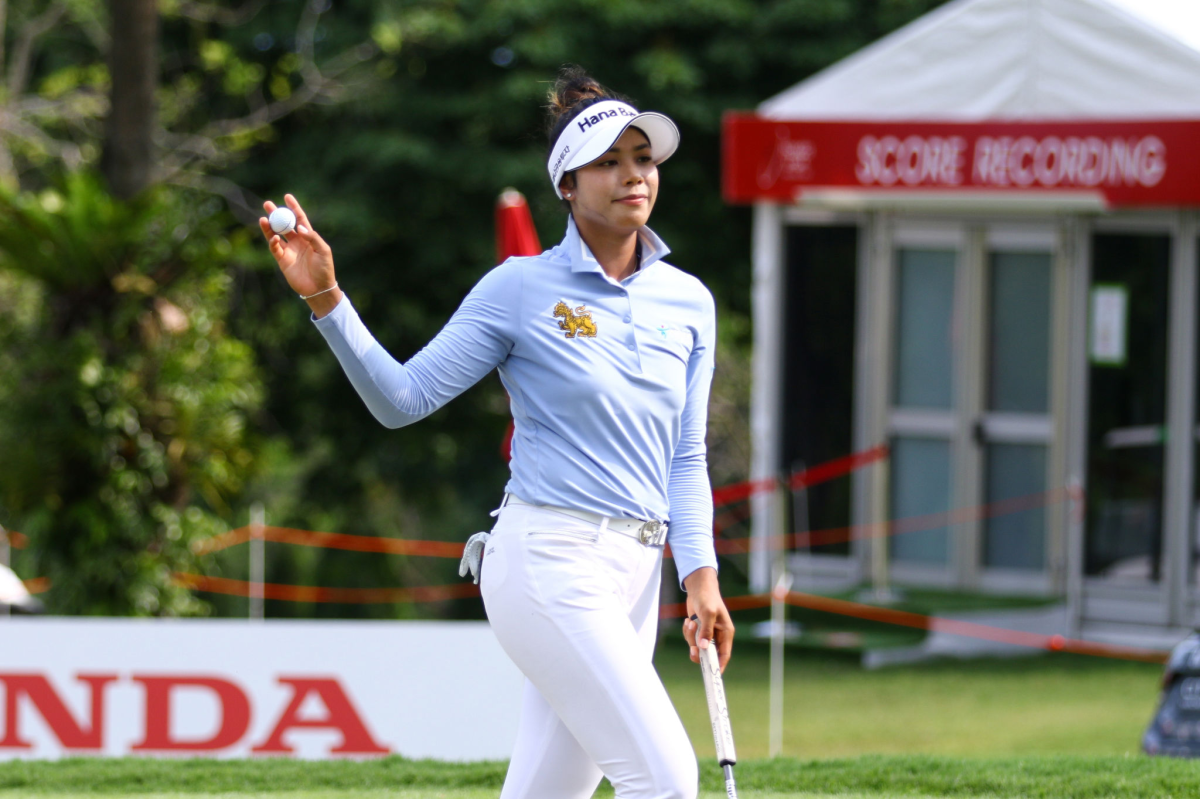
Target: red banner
x: 1130, y: 163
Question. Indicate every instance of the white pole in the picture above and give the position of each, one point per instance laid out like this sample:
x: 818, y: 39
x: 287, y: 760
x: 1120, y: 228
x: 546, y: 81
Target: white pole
x: 258, y: 520
x: 880, y: 565
x: 765, y: 426
x: 782, y: 582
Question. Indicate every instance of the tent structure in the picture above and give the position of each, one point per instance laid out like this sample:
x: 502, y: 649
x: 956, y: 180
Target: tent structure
x: 1001, y: 190
x: 973, y: 60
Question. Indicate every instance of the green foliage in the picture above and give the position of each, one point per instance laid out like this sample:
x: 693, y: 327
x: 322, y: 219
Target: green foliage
x: 126, y: 400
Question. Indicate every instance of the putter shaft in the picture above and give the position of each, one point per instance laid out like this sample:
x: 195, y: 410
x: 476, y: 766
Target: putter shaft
x: 730, y: 785
x: 718, y: 711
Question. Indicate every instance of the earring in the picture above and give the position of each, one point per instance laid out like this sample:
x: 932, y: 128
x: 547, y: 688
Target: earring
x: 567, y: 195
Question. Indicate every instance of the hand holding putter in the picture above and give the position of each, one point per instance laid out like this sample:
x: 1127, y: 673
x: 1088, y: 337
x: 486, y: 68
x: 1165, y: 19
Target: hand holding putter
x: 718, y: 713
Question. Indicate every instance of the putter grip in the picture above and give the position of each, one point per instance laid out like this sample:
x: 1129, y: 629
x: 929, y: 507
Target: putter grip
x: 718, y: 709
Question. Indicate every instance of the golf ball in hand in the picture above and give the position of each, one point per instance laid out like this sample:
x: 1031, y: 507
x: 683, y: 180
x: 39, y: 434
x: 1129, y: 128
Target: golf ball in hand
x: 282, y: 220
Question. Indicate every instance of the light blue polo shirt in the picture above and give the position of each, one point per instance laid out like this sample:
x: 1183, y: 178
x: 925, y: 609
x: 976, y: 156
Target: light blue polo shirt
x: 609, y: 382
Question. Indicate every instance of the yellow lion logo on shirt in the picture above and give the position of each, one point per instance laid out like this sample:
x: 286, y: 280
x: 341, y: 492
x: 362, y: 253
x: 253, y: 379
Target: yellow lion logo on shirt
x: 577, y: 322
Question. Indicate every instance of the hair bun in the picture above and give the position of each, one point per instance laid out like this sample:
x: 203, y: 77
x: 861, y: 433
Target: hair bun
x: 572, y: 87
x: 573, y: 91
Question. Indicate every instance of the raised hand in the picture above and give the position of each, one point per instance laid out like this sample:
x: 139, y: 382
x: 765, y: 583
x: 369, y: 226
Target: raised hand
x: 304, y: 258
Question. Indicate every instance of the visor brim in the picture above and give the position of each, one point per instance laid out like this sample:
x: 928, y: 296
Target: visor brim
x: 658, y: 128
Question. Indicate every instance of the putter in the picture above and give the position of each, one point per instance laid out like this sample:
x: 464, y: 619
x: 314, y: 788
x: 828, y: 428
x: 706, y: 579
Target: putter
x: 718, y: 713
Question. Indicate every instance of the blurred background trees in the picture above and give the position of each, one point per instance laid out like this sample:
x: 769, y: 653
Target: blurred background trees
x: 156, y: 376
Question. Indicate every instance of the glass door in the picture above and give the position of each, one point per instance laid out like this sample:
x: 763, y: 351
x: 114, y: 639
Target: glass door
x: 1015, y: 429
x: 923, y: 416
x: 972, y: 409
x: 1127, y: 407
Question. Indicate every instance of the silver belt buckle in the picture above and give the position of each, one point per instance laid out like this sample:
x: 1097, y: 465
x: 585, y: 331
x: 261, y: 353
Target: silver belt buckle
x: 652, y: 533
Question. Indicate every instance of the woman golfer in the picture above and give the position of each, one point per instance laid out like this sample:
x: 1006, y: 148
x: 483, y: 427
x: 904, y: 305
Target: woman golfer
x: 606, y: 351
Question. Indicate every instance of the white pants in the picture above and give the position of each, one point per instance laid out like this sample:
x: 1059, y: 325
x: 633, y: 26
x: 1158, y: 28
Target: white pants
x: 577, y: 611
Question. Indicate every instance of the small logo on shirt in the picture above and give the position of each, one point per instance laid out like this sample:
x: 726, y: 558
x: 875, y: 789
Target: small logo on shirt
x: 663, y: 330
x: 576, y: 323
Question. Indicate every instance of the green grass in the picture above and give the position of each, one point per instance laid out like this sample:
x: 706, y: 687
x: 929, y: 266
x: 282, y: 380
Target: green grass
x: 873, y: 777
x: 429, y: 793
x: 433, y: 793
x: 1043, y: 705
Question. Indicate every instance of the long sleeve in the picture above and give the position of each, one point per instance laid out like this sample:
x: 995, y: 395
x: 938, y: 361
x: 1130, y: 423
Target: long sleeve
x: 477, y: 338
x: 688, y: 488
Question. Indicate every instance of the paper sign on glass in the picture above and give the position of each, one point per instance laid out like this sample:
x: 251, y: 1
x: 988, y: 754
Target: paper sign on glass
x: 1110, y: 312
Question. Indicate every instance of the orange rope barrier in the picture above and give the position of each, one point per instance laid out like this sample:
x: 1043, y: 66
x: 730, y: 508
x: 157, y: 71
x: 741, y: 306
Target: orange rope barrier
x: 1053, y: 643
x: 903, y: 618
x: 722, y: 521
x: 17, y: 540
x: 304, y: 593
x: 838, y: 467
x: 37, y: 585
x: 841, y: 607
x: 911, y: 524
x: 820, y: 473
x: 446, y: 549
x: 354, y: 543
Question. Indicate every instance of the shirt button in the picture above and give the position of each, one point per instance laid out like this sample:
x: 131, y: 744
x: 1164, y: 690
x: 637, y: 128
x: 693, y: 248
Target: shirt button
x: 624, y: 293
x: 631, y: 346
x: 628, y: 319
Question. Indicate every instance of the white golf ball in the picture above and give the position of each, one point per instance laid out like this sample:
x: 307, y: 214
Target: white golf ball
x: 282, y: 220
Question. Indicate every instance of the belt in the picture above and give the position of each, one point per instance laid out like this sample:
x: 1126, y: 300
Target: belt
x: 652, y: 533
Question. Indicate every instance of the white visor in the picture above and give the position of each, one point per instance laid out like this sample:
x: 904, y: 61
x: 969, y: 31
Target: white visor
x: 596, y: 128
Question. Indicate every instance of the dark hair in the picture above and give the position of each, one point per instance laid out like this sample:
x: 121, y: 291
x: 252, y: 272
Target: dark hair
x: 573, y: 91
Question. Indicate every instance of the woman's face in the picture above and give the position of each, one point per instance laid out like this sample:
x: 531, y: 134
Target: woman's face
x: 618, y: 190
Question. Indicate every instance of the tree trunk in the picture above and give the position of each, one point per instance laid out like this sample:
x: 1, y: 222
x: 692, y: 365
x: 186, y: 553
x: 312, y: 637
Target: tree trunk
x: 128, y: 158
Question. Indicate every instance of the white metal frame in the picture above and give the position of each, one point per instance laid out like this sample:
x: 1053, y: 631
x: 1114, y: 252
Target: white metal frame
x: 974, y: 237
x: 912, y: 233
x: 1168, y: 603
x: 766, y: 412
x: 1021, y: 428
x: 766, y: 299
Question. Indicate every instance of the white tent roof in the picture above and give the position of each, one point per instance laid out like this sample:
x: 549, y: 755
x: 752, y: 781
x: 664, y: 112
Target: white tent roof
x: 1017, y: 59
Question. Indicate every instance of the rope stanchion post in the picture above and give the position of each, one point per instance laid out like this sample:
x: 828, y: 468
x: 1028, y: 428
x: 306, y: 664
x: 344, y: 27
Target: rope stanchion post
x: 779, y: 573
x: 5, y: 560
x: 258, y: 521
x: 783, y: 584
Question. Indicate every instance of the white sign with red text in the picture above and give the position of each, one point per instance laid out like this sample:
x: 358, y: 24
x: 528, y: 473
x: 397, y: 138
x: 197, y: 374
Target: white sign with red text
x: 231, y: 688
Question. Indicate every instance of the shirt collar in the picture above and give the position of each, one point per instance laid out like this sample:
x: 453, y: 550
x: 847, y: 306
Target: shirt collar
x: 582, y: 260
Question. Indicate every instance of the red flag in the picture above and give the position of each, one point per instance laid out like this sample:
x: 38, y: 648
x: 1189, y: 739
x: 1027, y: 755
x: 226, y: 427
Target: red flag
x: 515, y: 235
